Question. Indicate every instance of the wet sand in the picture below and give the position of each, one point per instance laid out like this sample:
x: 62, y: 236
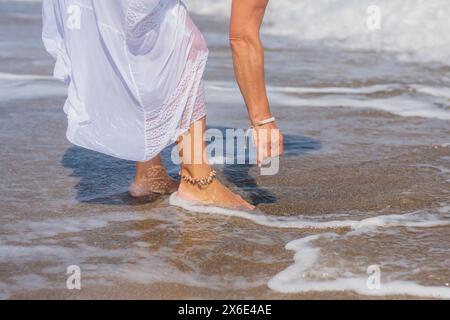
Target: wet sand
x: 48, y: 181
x: 62, y: 205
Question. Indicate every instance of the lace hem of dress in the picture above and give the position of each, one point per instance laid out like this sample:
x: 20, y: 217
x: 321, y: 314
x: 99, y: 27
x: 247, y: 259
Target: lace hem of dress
x: 185, y: 106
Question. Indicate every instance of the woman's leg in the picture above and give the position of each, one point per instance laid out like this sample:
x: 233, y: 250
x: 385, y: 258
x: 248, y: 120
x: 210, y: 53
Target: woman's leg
x: 151, y: 177
x: 194, y: 164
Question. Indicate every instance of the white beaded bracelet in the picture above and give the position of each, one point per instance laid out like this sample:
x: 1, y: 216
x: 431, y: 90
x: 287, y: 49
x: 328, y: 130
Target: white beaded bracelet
x: 263, y: 122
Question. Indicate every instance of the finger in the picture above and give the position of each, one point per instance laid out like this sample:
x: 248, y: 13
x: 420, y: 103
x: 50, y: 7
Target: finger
x: 255, y: 136
x: 280, y: 144
x: 261, y: 151
x: 258, y: 148
x: 262, y: 145
x: 268, y: 135
x: 275, y: 136
x: 257, y: 144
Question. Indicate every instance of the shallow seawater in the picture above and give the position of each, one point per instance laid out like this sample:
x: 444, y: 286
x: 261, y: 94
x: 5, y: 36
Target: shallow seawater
x: 362, y: 191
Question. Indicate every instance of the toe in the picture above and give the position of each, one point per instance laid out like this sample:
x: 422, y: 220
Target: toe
x: 249, y: 206
x: 245, y: 204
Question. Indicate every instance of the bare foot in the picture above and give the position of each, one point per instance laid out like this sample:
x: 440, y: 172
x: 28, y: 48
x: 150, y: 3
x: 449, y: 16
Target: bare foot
x: 156, y: 181
x: 215, y: 194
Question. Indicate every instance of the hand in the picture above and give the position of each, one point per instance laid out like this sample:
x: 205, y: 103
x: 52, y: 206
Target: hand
x: 269, y: 142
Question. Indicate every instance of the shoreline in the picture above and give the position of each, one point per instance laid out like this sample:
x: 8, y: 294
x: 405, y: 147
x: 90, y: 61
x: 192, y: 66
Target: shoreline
x: 62, y: 205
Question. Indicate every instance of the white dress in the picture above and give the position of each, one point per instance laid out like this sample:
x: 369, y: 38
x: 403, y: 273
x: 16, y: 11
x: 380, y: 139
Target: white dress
x: 134, y: 71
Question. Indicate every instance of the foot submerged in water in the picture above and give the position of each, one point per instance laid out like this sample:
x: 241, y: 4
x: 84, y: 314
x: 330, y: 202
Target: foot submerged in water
x: 156, y: 181
x: 215, y: 194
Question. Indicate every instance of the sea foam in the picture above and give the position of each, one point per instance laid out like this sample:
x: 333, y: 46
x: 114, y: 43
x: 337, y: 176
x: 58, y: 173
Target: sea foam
x: 411, y: 100
x: 294, y: 280
x: 413, y: 30
x: 413, y: 219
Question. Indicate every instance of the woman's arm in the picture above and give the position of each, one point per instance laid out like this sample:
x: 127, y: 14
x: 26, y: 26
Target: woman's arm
x: 248, y: 59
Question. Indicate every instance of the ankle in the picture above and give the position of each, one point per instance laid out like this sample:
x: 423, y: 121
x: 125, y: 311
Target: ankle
x: 142, y: 167
x: 187, y: 187
x: 186, y: 190
x: 139, y: 178
x: 197, y: 171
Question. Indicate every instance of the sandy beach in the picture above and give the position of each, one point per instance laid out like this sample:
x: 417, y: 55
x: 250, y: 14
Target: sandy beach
x: 365, y: 181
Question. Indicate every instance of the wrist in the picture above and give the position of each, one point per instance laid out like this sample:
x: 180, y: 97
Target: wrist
x: 264, y: 123
x: 257, y: 118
